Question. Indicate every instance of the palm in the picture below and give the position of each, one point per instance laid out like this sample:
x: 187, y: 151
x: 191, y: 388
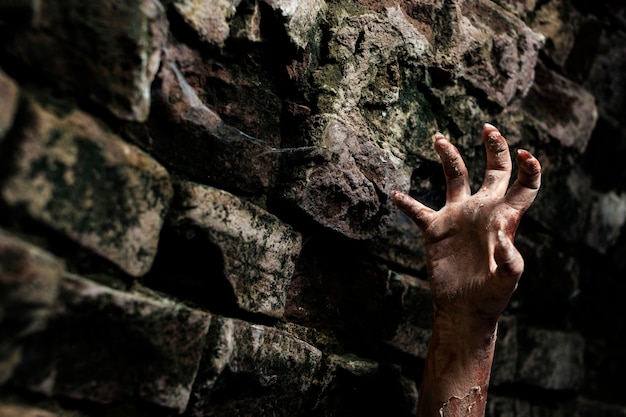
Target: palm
x: 472, y: 263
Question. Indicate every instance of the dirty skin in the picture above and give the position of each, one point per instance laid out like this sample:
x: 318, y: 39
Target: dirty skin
x: 473, y: 267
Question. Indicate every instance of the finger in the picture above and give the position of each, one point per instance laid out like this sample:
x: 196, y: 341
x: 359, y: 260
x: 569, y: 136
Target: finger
x: 457, y: 178
x: 422, y: 216
x: 499, y: 164
x: 510, y: 263
x: 525, y: 188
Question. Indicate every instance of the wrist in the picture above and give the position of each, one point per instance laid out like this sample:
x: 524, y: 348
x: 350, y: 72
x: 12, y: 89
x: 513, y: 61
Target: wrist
x: 467, y: 326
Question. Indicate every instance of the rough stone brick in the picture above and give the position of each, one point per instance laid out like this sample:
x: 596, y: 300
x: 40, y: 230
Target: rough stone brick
x: 9, y: 95
x: 106, y: 345
x: 78, y: 178
x: 564, y: 109
x: 606, y: 220
x: 252, y: 369
x: 349, y: 192
x: 209, y: 19
x: 186, y: 133
x: 402, y: 246
x: 106, y: 51
x: 552, y: 359
x: 29, y: 280
x: 258, y: 249
x: 413, y: 321
x: 504, y: 368
x: 215, y: 21
x: 14, y: 410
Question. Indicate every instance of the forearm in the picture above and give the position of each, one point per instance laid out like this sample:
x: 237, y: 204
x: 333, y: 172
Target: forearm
x: 458, y: 365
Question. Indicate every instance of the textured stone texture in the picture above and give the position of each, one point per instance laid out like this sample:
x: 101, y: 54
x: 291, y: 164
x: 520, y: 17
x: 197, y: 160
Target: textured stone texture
x: 208, y: 19
x: 301, y: 18
x: 73, y: 43
x: 8, y: 410
x: 572, y: 111
x: 287, y: 123
x: 78, y: 178
x: 554, y: 361
x: 106, y: 345
x: 504, y: 368
x: 412, y: 297
x: 350, y: 193
x: 215, y: 22
x: 9, y: 95
x: 240, y: 356
x: 190, y: 137
x: 29, y: 279
x: 258, y: 249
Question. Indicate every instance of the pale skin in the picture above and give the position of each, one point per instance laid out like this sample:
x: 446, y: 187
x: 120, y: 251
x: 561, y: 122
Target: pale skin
x: 473, y: 268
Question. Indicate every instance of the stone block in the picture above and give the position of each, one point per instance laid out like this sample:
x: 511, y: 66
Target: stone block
x: 253, y: 369
x: 14, y: 410
x: 9, y: 100
x: 349, y: 192
x: 104, y: 51
x: 259, y: 250
x: 301, y: 18
x: 562, y: 108
x: 75, y: 176
x: 558, y: 21
x: 606, y: 221
x: 216, y: 21
x: 29, y: 279
x: 106, y: 345
x: 189, y: 136
x: 607, y: 79
x: 411, y: 311
x: 402, y: 246
x: 552, y: 359
x: 210, y: 20
x: 504, y: 367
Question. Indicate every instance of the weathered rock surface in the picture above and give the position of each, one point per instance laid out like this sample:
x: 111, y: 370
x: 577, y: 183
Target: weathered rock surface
x: 412, y: 298
x: 74, y: 44
x: 249, y: 368
x: 350, y: 192
x: 190, y: 137
x: 565, y: 110
x: 259, y: 251
x: 504, y: 368
x: 608, y: 216
x: 215, y: 22
x: 76, y: 177
x: 554, y: 360
x: 559, y: 23
x: 9, y: 410
x: 29, y: 279
x: 106, y: 345
x: 209, y: 19
x: 313, y: 110
x: 605, y: 83
x: 9, y: 95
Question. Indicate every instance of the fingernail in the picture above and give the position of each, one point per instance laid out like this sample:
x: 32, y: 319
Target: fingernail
x: 437, y: 135
x: 489, y: 126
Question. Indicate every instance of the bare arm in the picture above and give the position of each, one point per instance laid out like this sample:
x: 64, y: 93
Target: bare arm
x: 473, y: 270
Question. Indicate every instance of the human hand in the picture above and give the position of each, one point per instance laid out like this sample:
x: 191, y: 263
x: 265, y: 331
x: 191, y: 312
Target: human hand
x: 472, y: 263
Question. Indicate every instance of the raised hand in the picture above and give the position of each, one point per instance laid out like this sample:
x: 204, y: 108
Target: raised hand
x: 472, y: 263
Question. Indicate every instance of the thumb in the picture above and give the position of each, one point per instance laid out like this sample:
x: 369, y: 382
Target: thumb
x: 509, y: 261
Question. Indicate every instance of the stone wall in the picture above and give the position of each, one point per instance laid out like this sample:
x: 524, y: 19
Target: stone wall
x: 194, y: 202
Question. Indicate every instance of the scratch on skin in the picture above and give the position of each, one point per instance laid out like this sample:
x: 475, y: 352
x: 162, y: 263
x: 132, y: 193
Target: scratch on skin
x: 463, y: 407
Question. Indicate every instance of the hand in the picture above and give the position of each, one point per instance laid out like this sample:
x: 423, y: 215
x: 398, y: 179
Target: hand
x: 472, y: 263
